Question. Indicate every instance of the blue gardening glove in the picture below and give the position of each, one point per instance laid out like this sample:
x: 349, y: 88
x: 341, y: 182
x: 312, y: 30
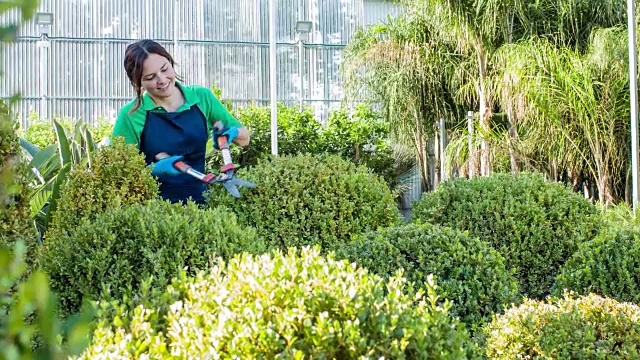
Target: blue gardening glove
x: 165, y: 167
x: 230, y: 132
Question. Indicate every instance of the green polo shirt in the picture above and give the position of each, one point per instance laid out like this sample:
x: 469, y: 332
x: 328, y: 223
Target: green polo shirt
x: 130, y: 126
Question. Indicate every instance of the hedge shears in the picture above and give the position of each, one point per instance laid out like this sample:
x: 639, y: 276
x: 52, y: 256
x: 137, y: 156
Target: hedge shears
x: 227, y: 171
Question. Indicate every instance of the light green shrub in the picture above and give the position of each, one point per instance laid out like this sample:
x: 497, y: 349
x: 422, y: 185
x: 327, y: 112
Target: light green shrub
x: 117, y: 176
x: 569, y: 327
x: 534, y: 223
x: 291, y: 305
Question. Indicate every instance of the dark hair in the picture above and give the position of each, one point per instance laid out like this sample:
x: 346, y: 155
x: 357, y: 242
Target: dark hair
x: 134, y: 57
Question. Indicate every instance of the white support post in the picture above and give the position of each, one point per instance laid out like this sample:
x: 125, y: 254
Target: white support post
x: 633, y: 86
x: 272, y: 76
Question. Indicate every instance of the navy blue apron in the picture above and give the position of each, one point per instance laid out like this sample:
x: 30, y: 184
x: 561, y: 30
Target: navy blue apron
x: 177, y: 133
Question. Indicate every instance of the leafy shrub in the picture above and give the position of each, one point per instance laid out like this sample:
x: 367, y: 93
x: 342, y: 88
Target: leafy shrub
x: 15, y: 220
x: 534, y: 223
x: 117, y: 176
x: 472, y: 274
x: 607, y: 265
x: 298, y: 132
x: 41, y: 132
x: 361, y: 136
x: 569, y: 327
x: 290, y: 305
x: 123, y: 245
x: 29, y: 328
x: 311, y: 199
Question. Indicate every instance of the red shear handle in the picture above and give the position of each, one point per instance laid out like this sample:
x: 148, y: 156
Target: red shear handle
x: 182, y: 166
x: 222, y: 139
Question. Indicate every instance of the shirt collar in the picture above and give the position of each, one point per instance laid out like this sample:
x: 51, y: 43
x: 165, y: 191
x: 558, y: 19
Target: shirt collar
x: 190, y: 98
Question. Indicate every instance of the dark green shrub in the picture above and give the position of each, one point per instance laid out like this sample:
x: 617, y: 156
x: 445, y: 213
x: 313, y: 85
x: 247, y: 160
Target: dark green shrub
x: 298, y: 132
x: 124, y: 245
x: 587, y: 327
x: 290, y: 305
x: 535, y: 224
x: 608, y: 265
x: 471, y: 274
x: 307, y: 199
x: 117, y: 176
x: 15, y: 216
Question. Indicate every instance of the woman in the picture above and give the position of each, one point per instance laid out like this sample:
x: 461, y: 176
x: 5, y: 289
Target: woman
x: 167, y: 116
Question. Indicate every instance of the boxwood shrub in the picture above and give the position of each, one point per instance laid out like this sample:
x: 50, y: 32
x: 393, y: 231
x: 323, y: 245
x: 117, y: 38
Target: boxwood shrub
x: 311, y: 199
x: 567, y: 327
x: 534, y: 223
x: 122, y: 246
x: 117, y: 176
x: 607, y: 265
x: 283, y: 305
x: 15, y: 220
x: 472, y: 274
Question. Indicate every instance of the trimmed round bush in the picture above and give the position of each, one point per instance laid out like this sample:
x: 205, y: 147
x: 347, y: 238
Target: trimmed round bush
x: 117, y: 176
x: 471, y: 273
x: 534, y: 223
x: 607, y: 265
x: 311, y: 199
x: 119, y: 248
x: 292, y: 305
x: 568, y: 327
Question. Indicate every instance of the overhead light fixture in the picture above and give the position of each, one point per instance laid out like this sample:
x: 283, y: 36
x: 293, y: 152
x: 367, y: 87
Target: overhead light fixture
x: 303, y: 27
x: 44, y: 20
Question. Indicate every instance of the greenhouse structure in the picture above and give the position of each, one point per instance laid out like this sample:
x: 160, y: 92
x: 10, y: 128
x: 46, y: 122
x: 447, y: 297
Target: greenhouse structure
x: 68, y: 60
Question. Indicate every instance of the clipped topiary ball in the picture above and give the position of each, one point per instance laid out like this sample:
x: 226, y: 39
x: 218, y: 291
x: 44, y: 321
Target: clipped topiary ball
x: 311, y: 199
x: 607, y: 265
x: 291, y: 305
x: 535, y: 224
x: 122, y: 246
x: 471, y: 274
x: 117, y: 176
x: 569, y: 327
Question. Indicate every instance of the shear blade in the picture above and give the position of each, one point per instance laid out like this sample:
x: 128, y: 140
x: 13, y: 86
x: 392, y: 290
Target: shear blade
x: 231, y: 188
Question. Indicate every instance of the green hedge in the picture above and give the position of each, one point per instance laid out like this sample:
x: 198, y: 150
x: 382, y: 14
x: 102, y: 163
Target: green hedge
x: 471, y: 274
x: 569, y: 327
x: 286, y: 305
x: 358, y: 134
x: 535, y: 224
x: 117, y: 176
x: 15, y: 216
x: 121, y: 246
x: 310, y: 199
x: 607, y: 265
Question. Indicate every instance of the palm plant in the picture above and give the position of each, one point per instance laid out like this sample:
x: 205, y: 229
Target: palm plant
x: 407, y: 70
x: 576, y: 109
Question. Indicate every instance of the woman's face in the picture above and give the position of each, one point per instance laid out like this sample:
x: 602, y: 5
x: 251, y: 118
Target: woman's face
x: 158, y: 76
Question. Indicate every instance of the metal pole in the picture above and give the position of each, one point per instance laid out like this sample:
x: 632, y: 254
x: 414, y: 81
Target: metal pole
x: 301, y: 71
x: 272, y: 76
x: 633, y: 86
x: 443, y: 139
x: 470, y: 117
x: 43, y: 44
